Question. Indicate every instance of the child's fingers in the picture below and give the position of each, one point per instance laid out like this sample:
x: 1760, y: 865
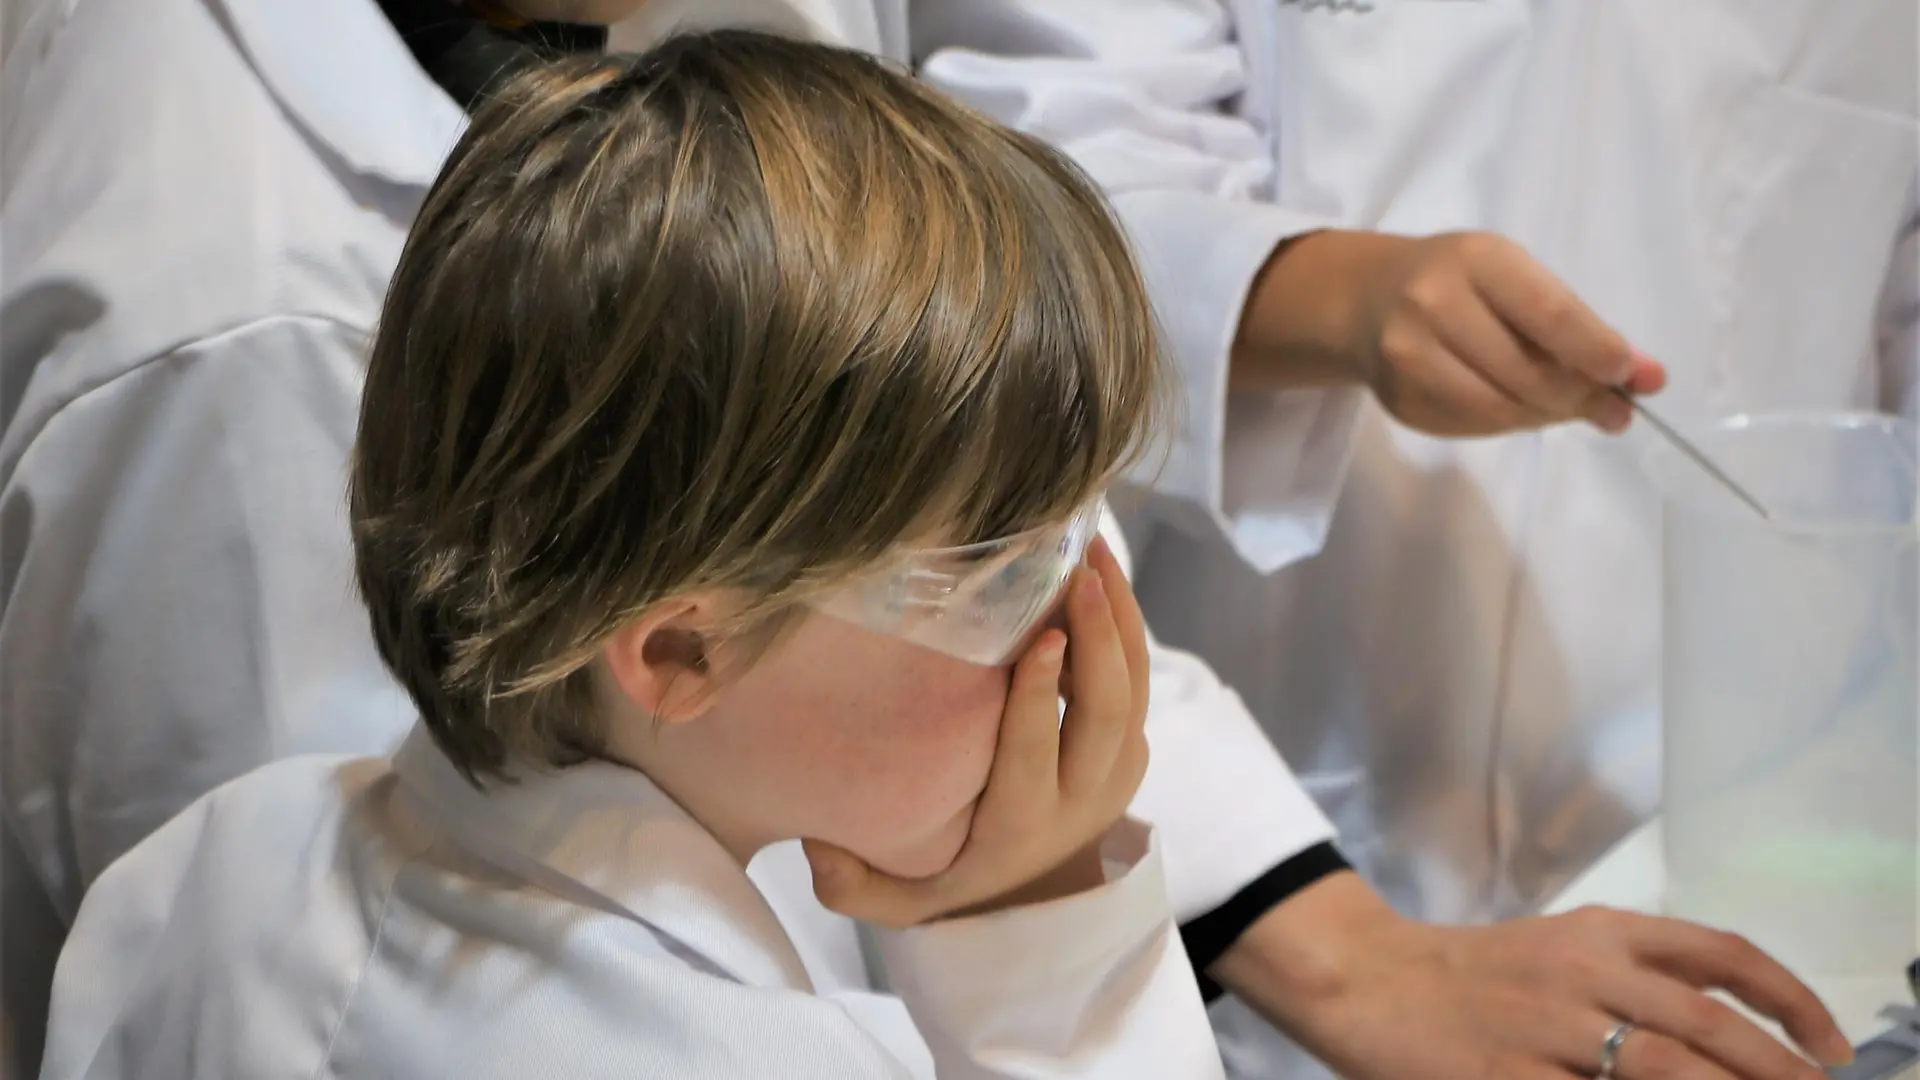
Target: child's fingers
x: 1128, y: 619
x: 1027, y: 755
x: 1098, y: 714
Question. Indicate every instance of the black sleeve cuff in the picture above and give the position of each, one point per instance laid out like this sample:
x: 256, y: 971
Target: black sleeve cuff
x: 1209, y: 936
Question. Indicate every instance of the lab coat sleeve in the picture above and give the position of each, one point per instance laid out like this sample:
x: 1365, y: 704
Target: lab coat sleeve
x: 1899, y: 324
x: 1218, y: 792
x: 183, y: 608
x: 1139, y: 96
x: 1092, y: 985
x: 1230, y: 808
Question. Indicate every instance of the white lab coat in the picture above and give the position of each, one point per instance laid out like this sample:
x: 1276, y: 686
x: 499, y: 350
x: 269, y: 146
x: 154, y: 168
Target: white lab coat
x: 1466, y: 677
x: 1469, y: 667
x: 330, y: 917
x: 202, y: 201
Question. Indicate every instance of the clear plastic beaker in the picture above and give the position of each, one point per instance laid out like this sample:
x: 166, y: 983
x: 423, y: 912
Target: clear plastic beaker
x: 1792, y: 807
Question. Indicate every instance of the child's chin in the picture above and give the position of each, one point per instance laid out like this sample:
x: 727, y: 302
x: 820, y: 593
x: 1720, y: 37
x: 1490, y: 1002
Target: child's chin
x: 929, y: 854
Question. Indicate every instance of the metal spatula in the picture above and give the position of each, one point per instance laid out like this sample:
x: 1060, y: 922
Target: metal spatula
x: 1681, y: 443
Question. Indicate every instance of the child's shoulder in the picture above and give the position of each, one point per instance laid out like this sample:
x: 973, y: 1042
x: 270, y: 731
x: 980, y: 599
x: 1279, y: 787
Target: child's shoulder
x: 245, y: 850
x: 270, y: 814
x: 241, y: 914
x: 310, y: 783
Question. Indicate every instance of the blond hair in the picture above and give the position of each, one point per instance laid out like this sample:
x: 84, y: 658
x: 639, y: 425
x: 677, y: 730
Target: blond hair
x: 739, y: 313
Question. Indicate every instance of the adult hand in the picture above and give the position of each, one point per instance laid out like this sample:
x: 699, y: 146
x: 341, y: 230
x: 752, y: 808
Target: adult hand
x: 1377, y: 996
x: 1457, y: 334
x: 1056, y: 785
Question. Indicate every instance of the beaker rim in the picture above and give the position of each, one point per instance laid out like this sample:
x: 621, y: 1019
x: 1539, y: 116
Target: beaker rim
x: 1840, y: 419
x: 1899, y: 430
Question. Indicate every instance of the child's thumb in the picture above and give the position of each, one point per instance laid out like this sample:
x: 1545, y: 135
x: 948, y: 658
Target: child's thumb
x: 845, y: 884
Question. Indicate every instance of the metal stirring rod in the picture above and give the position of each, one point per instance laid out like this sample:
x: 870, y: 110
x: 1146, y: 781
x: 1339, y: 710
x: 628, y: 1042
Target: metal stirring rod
x: 1681, y: 443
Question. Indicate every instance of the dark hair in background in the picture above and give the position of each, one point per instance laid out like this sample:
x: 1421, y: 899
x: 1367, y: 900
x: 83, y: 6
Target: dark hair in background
x: 471, y: 55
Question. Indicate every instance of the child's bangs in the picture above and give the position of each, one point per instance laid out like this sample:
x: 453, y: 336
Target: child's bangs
x: 1070, y: 389
x: 982, y: 351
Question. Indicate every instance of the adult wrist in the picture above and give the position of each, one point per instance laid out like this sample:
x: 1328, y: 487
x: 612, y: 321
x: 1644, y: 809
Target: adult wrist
x: 1306, y: 319
x: 1208, y: 937
x: 1308, y: 955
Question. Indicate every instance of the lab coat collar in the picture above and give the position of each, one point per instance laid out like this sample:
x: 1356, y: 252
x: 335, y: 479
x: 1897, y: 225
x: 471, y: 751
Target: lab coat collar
x: 341, y: 71
x: 606, y: 837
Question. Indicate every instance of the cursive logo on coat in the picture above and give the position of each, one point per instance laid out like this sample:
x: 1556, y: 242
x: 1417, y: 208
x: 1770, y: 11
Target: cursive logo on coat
x: 1357, y: 7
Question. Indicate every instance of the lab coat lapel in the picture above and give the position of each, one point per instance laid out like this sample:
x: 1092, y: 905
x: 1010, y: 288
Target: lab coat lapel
x: 604, y: 836
x: 343, y: 73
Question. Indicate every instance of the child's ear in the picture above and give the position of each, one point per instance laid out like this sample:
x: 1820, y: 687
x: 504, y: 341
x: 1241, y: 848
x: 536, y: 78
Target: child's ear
x: 662, y: 663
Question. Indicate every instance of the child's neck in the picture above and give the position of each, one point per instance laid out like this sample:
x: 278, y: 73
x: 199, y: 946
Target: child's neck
x: 706, y: 803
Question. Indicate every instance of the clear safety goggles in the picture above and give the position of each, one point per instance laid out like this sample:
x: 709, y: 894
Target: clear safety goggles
x: 981, y: 602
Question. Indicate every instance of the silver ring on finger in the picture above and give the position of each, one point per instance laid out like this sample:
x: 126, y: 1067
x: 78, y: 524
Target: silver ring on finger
x: 1610, y: 1051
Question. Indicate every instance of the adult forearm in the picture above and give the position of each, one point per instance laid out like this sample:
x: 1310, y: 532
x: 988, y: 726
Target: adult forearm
x: 1299, y: 956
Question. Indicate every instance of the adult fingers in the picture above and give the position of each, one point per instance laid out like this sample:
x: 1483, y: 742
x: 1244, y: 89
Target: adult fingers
x: 1647, y: 1054
x: 1579, y: 1038
x: 1435, y: 390
x: 1708, y: 958
x: 1711, y: 1029
x: 1649, y: 375
x: 1464, y: 323
x: 1546, y: 312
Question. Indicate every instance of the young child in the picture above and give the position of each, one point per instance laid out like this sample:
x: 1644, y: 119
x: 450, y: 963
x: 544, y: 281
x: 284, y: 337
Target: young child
x: 729, y: 465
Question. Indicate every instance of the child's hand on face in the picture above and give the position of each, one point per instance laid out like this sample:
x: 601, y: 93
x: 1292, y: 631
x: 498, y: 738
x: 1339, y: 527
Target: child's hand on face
x: 1055, y: 787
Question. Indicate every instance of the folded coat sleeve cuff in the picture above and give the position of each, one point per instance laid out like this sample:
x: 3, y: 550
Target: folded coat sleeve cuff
x: 1265, y: 473
x: 1095, y: 984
